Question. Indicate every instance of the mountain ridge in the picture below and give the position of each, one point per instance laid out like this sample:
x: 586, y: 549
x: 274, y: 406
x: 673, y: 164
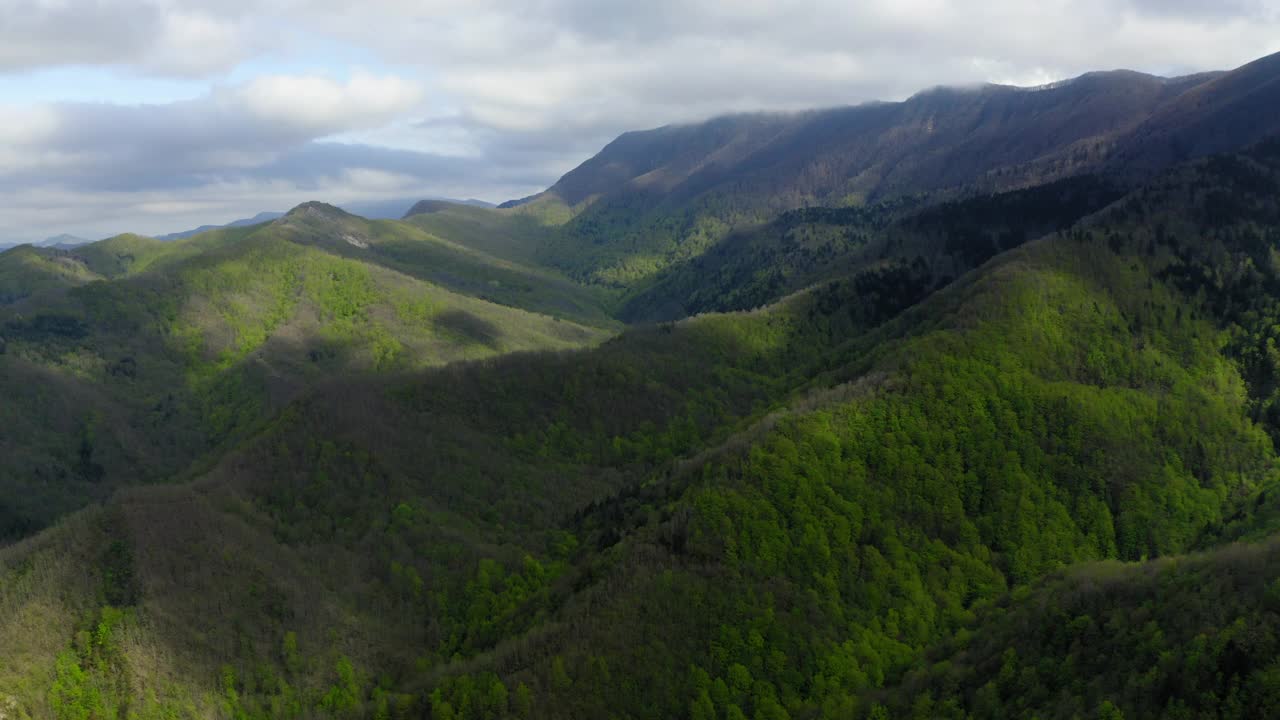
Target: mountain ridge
x: 258, y: 219
x: 1005, y: 449
x: 664, y: 196
x: 780, y: 512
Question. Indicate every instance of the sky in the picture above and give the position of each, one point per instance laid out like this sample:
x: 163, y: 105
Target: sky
x: 155, y: 116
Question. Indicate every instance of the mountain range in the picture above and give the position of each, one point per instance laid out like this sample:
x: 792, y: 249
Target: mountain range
x: 663, y: 196
x: 959, y: 407
x: 64, y: 241
x: 262, y: 217
x: 376, y: 210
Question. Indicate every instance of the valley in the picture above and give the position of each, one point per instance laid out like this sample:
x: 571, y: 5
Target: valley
x: 959, y: 407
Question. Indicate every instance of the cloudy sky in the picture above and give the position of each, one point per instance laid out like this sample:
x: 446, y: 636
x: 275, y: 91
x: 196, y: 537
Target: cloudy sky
x: 157, y: 115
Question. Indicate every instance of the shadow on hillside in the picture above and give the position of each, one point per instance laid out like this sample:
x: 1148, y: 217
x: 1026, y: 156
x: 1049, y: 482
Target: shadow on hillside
x: 468, y: 327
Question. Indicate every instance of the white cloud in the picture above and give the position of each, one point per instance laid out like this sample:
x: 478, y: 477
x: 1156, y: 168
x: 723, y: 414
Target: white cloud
x: 197, y: 44
x: 35, y: 212
x: 572, y: 74
x: 165, y: 37
x: 231, y: 129
x: 322, y: 106
x: 26, y: 125
x: 523, y: 90
x: 35, y: 33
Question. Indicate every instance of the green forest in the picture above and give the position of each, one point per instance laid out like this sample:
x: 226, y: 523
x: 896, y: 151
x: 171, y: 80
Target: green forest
x: 966, y: 452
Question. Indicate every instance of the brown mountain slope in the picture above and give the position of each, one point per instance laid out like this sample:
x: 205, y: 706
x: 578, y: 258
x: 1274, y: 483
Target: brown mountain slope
x: 938, y: 138
x: 660, y: 197
x: 1224, y: 114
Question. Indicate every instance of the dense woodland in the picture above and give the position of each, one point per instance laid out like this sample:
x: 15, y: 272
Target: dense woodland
x: 949, y: 453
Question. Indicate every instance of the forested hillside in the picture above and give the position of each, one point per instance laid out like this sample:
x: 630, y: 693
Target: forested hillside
x: 781, y: 513
x: 660, y: 198
x: 998, y: 444
x: 919, y: 246
x: 131, y: 359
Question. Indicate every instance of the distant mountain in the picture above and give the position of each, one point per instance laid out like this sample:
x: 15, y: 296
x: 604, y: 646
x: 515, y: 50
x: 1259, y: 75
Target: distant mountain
x: 58, y: 242
x: 874, y: 498
x: 660, y: 197
x: 63, y: 242
x: 258, y: 219
x: 518, y: 202
x: 1225, y: 113
x: 995, y: 433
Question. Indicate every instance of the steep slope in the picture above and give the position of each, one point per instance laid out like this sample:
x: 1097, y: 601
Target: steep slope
x: 465, y: 265
x: 829, y: 604
x: 1190, y: 636
x: 468, y: 487
x: 657, y: 198
x: 924, y: 247
x: 771, y: 514
x: 190, y: 344
x: 1227, y: 112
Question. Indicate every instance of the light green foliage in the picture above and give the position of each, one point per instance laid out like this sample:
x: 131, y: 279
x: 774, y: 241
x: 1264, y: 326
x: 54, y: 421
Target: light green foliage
x: 91, y: 681
x: 483, y: 697
x: 560, y: 679
x: 986, y: 469
x: 72, y: 696
x: 190, y: 346
x: 874, y: 499
x: 546, y: 210
x: 522, y: 703
x: 1185, y: 637
x: 513, y: 235
x: 342, y: 699
x: 1054, y: 409
x: 473, y: 251
x: 289, y: 651
x: 640, y: 241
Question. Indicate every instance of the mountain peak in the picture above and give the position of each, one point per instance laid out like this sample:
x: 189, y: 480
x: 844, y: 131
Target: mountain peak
x: 318, y: 210
x: 316, y: 222
x: 63, y: 241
